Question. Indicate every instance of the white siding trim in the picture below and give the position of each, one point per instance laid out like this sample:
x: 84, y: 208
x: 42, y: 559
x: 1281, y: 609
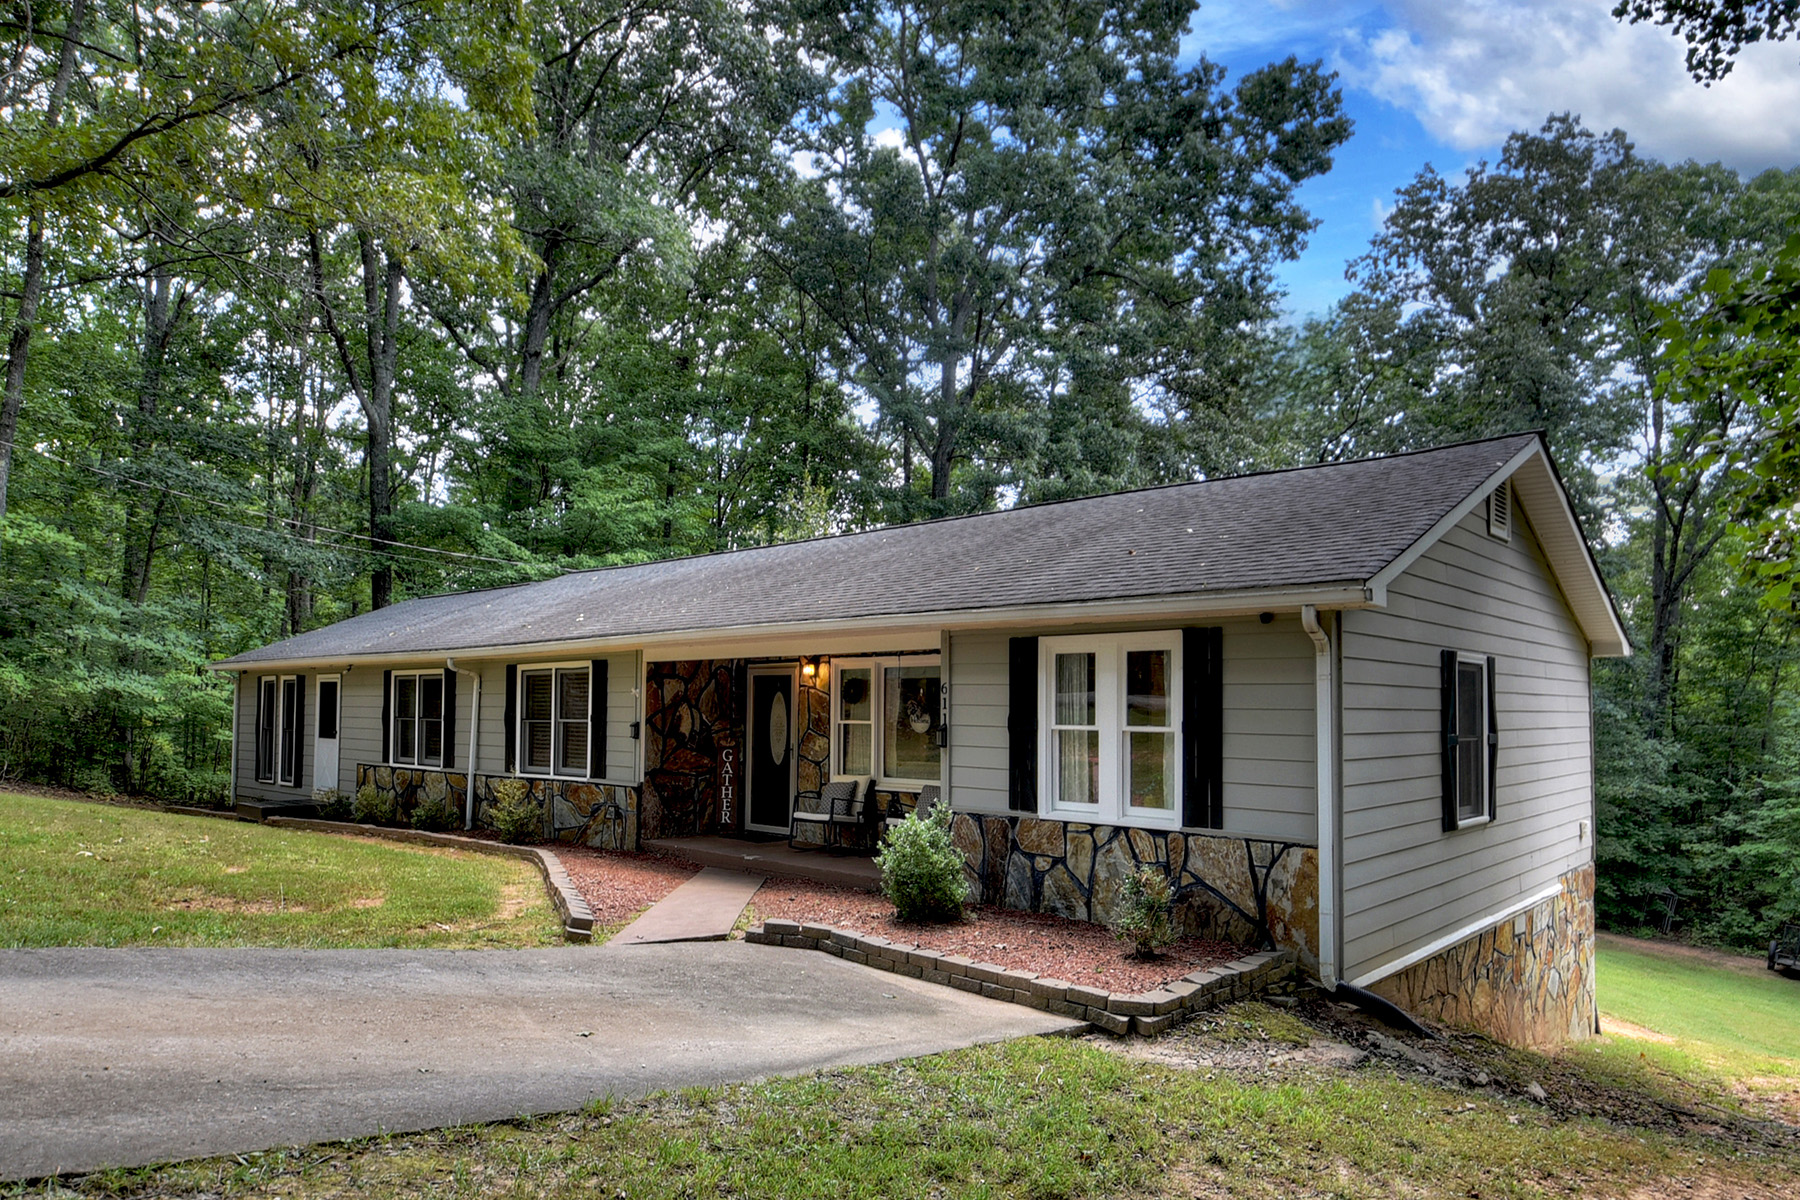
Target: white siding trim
x: 1379, y: 583
x: 1439, y: 945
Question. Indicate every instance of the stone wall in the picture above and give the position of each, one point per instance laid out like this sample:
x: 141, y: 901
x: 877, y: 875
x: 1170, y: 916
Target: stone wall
x: 576, y: 812
x: 1528, y: 981
x: 690, y: 719
x: 1255, y: 893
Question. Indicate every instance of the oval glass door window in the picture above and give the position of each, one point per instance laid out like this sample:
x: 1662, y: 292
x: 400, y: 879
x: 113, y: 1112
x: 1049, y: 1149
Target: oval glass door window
x: 778, y: 728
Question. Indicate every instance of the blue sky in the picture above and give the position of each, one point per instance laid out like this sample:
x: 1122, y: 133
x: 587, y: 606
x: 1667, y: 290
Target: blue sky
x: 1444, y: 81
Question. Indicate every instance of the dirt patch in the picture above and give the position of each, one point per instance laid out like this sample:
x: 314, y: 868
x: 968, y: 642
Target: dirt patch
x: 514, y: 899
x: 1730, y: 960
x: 1625, y: 1029
x: 617, y: 885
x: 234, y: 905
x: 367, y: 902
x: 235, y: 870
x: 1054, y: 947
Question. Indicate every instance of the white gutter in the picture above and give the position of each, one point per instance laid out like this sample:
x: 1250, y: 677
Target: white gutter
x: 474, y: 742
x: 1325, y: 754
x: 1242, y: 603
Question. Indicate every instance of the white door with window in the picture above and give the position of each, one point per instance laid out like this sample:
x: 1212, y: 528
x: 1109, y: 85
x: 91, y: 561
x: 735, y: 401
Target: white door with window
x: 325, y: 744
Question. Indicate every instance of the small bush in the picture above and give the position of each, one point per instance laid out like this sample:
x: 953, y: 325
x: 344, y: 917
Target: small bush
x: 922, y: 870
x: 333, y: 804
x: 434, y: 816
x: 517, y: 815
x: 1147, y: 920
x: 373, y: 806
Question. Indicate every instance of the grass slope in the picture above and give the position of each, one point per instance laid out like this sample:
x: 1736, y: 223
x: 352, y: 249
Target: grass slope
x: 1038, y: 1118
x: 77, y: 874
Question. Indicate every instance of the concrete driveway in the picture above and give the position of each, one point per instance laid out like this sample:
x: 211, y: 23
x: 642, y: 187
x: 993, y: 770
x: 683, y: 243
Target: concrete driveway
x: 130, y: 1057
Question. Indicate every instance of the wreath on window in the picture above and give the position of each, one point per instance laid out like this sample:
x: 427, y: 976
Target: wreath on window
x: 856, y: 690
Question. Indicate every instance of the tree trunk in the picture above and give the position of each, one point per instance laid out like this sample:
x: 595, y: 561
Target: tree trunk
x: 160, y: 316
x: 31, y: 289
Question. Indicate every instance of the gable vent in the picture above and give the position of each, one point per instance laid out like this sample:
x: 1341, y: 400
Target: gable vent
x: 1500, y: 512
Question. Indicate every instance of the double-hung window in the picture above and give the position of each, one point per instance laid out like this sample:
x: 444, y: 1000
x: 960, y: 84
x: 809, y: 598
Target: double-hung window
x: 887, y: 719
x: 268, y: 712
x: 419, y: 718
x: 1111, y: 747
x: 554, y: 721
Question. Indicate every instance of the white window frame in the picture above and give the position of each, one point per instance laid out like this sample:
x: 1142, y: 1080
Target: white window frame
x: 1482, y: 817
x: 282, y: 745
x: 445, y: 717
x: 878, y: 716
x: 1112, y: 806
x: 555, y: 670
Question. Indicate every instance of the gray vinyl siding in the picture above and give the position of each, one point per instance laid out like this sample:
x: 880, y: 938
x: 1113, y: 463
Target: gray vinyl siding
x: 1406, y: 882
x: 1269, y: 728
x: 621, y: 711
x: 359, y: 724
x: 247, y: 784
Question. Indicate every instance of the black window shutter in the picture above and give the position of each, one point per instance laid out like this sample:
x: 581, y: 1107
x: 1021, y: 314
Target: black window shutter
x: 597, y: 720
x: 300, y: 730
x: 1022, y: 723
x: 387, y: 716
x: 510, y: 721
x: 1203, y: 727
x: 265, y: 759
x: 1493, y: 743
x: 1447, y: 669
x: 449, y: 719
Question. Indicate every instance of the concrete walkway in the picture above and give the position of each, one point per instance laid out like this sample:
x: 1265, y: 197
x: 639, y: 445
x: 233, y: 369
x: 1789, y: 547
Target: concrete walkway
x: 701, y: 910
x: 129, y: 1057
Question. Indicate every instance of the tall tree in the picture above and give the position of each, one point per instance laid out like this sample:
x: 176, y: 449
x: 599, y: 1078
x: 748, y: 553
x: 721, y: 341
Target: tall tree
x: 1022, y: 203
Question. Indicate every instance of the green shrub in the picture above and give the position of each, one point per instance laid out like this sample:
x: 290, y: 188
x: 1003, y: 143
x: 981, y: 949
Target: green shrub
x: 434, y: 816
x: 333, y: 804
x: 1147, y: 901
x: 373, y: 806
x: 922, y: 870
x: 517, y: 815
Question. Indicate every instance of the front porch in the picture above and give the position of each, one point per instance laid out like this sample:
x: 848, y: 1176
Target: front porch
x: 775, y: 859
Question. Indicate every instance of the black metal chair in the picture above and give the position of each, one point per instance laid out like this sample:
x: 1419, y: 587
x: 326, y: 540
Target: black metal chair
x: 834, y: 799
x: 929, y: 798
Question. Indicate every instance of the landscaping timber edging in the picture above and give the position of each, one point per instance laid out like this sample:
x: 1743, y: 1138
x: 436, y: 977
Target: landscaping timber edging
x: 1144, y: 1013
x: 577, y: 917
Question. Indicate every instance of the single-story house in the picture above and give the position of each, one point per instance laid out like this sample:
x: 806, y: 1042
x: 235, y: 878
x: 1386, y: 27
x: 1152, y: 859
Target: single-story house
x: 1347, y: 707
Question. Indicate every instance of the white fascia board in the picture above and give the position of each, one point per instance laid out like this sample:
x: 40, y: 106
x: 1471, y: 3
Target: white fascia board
x: 1440, y: 944
x: 893, y: 632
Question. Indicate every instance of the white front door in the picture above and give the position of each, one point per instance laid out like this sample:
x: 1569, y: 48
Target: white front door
x: 325, y: 745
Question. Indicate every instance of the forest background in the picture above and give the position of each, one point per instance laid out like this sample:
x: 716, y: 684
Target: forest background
x: 315, y: 307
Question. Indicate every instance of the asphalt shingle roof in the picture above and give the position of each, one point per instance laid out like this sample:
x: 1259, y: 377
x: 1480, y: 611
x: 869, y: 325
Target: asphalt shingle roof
x: 1339, y: 523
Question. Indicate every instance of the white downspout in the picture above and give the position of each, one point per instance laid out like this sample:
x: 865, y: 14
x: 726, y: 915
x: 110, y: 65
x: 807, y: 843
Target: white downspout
x: 1325, y: 754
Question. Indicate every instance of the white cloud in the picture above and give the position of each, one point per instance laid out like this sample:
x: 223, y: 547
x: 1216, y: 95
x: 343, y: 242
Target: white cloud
x: 1472, y: 71
x: 890, y: 139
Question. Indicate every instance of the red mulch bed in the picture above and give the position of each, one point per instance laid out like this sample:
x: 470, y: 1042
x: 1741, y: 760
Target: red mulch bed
x: 619, y: 886
x: 1054, y: 947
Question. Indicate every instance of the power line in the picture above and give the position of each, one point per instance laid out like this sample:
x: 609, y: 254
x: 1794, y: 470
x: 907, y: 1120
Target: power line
x: 382, y: 547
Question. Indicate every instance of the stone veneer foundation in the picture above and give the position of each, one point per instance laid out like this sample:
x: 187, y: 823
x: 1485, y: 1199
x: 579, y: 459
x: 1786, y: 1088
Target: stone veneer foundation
x: 1255, y: 893
x: 577, y: 812
x: 1528, y: 981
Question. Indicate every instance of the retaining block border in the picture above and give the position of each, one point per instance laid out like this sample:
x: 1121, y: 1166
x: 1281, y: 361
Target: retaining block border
x: 1143, y: 1013
x: 577, y: 917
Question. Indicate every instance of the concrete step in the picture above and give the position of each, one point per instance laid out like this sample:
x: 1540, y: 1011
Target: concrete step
x: 775, y: 859
x: 701, y: 910
x: 260, y: 810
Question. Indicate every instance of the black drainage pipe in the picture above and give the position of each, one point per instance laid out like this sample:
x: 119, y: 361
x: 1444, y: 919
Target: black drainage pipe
x: 1381, y: 1008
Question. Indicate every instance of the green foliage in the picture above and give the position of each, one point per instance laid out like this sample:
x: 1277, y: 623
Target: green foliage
x: 516, y: 814
x: 374, y: 806
x: 922, y: 871
x: 434, y: 816
x: 1146, y: 911
x: 334, y: 805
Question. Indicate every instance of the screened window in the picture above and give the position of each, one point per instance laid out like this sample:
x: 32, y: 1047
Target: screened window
x: 554, y: 708
x: 419, y: 718
x: 1112, y: 747
x: 887, y: 718
x: 1471, y: 741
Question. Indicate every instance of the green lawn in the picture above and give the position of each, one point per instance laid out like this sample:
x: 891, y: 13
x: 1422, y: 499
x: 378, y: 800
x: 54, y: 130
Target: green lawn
x: 75, y: 874
x: 1740, y: 1027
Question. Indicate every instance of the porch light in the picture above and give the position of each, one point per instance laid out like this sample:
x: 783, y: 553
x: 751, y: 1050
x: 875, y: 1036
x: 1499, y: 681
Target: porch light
x: 809, y: 668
